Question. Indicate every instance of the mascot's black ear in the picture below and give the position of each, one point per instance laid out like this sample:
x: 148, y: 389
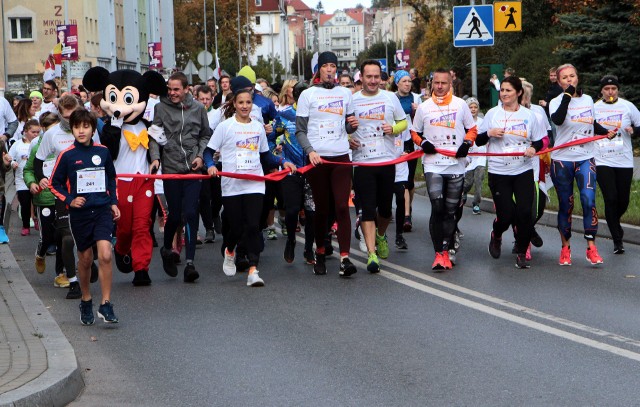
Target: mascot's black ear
x: 155, y: 83
x: 96, y: 79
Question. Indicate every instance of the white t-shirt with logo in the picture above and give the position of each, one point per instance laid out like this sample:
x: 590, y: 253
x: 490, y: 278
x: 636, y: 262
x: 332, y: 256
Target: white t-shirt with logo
x: 402, y: 169
x: 476, y: 161
x: 372, y: 112
x: 19, y: 152
x: 240, y: 145
x: 617, y: 152
x: 54, y: 141
x: 520, y: 130
x: 444, y: 127
x: 576, y: 126
x: 326, y: 110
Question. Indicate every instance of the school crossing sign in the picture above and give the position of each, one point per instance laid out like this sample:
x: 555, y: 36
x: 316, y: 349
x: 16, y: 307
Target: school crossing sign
x: 473, y: 26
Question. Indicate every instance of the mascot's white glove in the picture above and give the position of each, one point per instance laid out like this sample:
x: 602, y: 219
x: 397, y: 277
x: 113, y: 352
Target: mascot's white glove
x: 117, y: 122
x: 157, y: 133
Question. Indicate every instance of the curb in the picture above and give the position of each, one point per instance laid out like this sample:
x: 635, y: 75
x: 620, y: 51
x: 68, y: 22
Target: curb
x: 61, y: 382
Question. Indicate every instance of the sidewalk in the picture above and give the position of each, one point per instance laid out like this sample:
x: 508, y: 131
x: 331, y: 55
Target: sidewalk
x: 38, y: 366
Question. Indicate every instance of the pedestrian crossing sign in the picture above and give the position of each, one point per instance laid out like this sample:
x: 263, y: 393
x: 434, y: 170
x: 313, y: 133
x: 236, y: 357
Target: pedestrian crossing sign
x: 473, y: 26
x: 508, y: 15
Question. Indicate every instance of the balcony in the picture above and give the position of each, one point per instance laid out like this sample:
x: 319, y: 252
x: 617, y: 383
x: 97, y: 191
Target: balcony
x: 340, y: 46
x: 341, y: 35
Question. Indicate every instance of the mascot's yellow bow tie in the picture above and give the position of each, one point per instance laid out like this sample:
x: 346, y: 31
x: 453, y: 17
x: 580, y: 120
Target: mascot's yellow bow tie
x: 135, y: 140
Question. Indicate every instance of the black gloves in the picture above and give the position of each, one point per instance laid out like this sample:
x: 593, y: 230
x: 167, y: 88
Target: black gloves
x: 428, y: 148
x: 463, y: 150
x: 570, y: 90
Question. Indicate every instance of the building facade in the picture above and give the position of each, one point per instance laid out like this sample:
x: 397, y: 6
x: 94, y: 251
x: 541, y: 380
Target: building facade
x: 343, y: 33
x: 111, y: 33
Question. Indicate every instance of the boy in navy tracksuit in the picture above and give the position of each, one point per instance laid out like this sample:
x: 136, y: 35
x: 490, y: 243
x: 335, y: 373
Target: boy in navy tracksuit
x: 84, y: 178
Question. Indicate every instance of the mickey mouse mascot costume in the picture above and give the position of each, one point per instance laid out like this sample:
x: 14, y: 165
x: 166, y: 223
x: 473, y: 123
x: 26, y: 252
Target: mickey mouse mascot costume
x: 125, y: 95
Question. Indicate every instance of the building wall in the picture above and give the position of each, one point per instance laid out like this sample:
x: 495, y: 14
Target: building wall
x: 344, y: 36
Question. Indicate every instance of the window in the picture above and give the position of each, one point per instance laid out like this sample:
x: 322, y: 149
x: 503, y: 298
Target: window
x: 353, y: 29
x: 354, y: 54
x: 410, y: 16
x: 257, y: 20
x: 354, y: 41
x: 259, y: 3
x: 21, y: 29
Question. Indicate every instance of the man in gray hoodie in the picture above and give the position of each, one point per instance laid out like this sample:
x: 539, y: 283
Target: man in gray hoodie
x: 186, y: 134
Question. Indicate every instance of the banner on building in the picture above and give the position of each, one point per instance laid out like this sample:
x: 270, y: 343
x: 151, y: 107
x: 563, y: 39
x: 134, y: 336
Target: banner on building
x: 67, y: 42
x: 402, y: 59
x: 155, y: 55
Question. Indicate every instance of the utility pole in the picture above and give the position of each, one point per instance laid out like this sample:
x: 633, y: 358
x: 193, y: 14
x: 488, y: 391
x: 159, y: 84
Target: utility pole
x: 239, y: 40
x: 246, y: 27
x: 215, y: 33
x: 401, y: 28
x: 206, y: 67
x: 67, y: 63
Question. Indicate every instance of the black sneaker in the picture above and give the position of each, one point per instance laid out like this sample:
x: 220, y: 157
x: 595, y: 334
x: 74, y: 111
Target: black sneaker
x: 320, y: 268
x: 190, y: 273
x: 74, y: 291
x: 123, y: 262
x: 347, y: 268
x: 522, y: 262
x: 618, y: 248
x: 94, y: 272
x: 168, y: 262
x: 495, y: 246
x: 210, y: 236
x: 86, y: 312
x: 105, y: 311
x: 141, y: 278
x: 401, y: 244
x: 536, y: 240
x: 290, y: 251
x: 309, y: 257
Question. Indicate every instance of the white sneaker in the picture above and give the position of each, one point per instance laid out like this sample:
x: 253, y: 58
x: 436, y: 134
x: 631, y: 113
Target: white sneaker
x: 229, y: 265
x: 254, y: 280
x: 362, y: 245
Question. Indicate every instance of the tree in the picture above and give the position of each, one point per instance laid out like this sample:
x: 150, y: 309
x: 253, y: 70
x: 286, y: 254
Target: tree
x: 603, y: 41
x: 375, y: 4
x: 320, y: 7
x: 263, y: 69
x: 377, y: 51
x: 305, y: 64
x: 536, y: 69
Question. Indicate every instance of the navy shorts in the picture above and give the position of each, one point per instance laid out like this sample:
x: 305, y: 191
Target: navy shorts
x: 90, y: 225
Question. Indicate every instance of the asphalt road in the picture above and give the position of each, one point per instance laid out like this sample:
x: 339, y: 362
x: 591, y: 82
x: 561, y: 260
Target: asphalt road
x: 484, y: 334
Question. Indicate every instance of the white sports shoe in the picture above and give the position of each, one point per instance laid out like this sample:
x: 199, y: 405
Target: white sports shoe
x: 362, y: 245
x: 229, y: 265
x: 254, y: 280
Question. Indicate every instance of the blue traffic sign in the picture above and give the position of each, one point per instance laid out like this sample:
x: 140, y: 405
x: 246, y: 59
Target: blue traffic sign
x: 473, y: 26
x: 383, y: 63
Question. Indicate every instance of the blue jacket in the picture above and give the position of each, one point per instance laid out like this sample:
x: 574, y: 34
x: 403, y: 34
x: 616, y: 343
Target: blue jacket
x: 267, y: 106
x: 63, y: 182
x: 291, y: 149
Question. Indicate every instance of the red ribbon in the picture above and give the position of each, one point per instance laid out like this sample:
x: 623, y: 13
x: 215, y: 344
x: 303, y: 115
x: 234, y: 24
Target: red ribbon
x: 279, y: 175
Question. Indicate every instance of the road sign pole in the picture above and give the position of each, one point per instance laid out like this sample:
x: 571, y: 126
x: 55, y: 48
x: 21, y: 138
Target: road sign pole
x: 474, y: 67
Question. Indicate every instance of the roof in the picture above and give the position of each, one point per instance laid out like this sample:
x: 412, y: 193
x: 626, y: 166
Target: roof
x: 356, y: 15
x: 268, y: 5
x: 299, y: 5
x: 324, y: 18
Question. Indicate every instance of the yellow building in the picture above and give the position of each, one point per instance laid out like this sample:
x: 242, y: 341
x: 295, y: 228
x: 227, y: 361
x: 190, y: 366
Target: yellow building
x: 111, y: 33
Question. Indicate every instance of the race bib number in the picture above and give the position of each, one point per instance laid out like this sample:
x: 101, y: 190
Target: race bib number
x: 247, y: 159
x: 47, y: 167
x: 372, y: 147
x: 611, y: 148
x: 330, y: 129
x: 578, y: 136
x: 90, y: 180
x: 514, y: 148
x: 440, y: 160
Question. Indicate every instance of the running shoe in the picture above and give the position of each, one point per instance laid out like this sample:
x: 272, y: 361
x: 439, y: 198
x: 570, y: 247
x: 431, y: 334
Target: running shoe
x: 407, y: 224
x: 320, y: 267
x: 141, y: 278
x: 271, y: 234
x: 382, y: 246
x: 446, y: 260
x: 457, y: 236
x: 522, y: 262
x: 3, y: 236
x: 105, y: 311
x: 356, y: 230
x: 438, y: 263
x: 452, y: 257
x: 190, y: 273
x: 86, y: 312
x: 373, y: 265
x: 210, y: 236
x: 528, y: 253
x: 41, y: 264
x: 229, y: 264
x: 25, y: 232
x: 536, y: 240
x: 495, y: 246
x: 476, y: 210
x: 169, y: 261
x: 593, y: 256
x: 347, y: 269
x: 565, y: 256
x: 74, y: 291
x: 290, y: 251
x: 401, y: 244
x: 254, y: 280
x: 309, y: 257
x: 51, y: 250
x: 61, y: 281
x: 618, y: 247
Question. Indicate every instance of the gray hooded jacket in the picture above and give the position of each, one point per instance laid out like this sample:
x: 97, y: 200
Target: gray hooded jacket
x: 186, y: 127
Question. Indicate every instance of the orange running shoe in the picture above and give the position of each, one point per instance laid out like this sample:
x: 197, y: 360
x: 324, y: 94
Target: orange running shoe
x: 565, y: 256
x: 593, y: 256
x: 446, y: 261
x: 438, y: 263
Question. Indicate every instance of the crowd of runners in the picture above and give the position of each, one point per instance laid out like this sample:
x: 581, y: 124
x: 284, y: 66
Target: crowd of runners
x: 199, y: 154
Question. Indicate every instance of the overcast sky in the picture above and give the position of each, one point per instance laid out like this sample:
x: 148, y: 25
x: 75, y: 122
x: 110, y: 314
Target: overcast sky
x: 331, y: 5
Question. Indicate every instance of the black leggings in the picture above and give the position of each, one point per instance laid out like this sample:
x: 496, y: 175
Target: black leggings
x: 24, y: 197
x: 182, y: 200
x: 399, y: 188
x: 243, y: 215
x: 331, y: 185
x: 445, y: 192
x: 293, y: 193
x: 615, y: 184
x: 65, y: 253
x: 374, y: 188
x: 505, y: 189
